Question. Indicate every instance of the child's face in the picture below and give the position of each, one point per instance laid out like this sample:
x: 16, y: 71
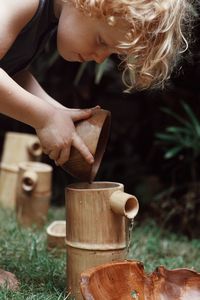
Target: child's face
x: 83, y: 38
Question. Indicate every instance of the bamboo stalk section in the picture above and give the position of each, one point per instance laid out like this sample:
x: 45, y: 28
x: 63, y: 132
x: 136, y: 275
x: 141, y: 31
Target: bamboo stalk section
x: 19, y: 147
x: 96, y: 227
x: 34, y: 189
x: 8, y: 185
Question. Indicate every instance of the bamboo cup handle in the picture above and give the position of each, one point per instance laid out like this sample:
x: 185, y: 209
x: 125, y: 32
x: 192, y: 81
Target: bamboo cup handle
x: 29, y: 181
x: 34, y: 148
x: 124, y: 204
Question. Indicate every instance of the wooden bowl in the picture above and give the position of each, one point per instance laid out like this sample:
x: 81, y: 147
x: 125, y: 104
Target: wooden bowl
x: 56, y: 234
x: 94, y: 132
x: 126, y: 280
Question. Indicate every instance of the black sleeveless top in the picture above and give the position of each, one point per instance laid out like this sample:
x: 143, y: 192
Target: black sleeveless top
x: 31, y: 40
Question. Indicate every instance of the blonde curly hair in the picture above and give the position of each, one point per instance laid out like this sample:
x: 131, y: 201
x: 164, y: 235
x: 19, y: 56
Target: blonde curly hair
x: 156, y: 37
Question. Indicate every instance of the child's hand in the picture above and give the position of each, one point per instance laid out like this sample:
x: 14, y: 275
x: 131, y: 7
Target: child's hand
x: 58, y: 134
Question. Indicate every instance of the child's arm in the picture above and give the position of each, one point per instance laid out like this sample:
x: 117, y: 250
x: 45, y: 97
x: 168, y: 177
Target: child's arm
x: 54, y: 126
x: 26, y: 80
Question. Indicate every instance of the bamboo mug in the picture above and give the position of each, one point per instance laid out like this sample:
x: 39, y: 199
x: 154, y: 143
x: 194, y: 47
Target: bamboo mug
x: 34, y: 191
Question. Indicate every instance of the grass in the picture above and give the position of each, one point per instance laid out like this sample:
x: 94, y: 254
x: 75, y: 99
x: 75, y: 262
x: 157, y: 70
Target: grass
x: 42, y: 273
x: 155, y: 246
x: 23, y: 252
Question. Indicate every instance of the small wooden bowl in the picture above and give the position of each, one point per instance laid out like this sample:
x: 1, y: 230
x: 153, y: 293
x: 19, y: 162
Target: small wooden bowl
x: 94, y: 132
x: 56, y: 233
x: 127, y: 280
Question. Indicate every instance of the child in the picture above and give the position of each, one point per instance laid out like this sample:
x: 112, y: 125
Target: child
x: 146, y: 33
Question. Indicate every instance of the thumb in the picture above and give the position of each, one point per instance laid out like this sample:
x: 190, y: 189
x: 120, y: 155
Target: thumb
x: 83, y: 114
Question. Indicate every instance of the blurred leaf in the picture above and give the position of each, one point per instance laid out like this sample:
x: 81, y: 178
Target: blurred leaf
x: 182, y: 137
x: 166, y: 137
x: 176, y: 116
x: 100, y: 69
x: 192, y: 117
x: 173, y: 152
x: 176, y: 129
x: 79, y: 74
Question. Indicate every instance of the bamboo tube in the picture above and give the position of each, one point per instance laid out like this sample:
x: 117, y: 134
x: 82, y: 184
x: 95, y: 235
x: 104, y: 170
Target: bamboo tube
x: 79, y: 260
x: 124, y: 204
x: 33, y: 193
x: 96, y: 227
x: 17, y: 147
x: 26, y: 148
x: 8, y: 185
x: 91, y: 223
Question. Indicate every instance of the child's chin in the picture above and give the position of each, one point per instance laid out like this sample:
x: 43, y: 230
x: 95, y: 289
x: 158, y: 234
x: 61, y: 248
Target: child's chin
x: 70, y: 59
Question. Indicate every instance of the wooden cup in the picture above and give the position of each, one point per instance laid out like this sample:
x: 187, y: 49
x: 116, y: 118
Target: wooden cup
x: 56, y: 235
x: 34, y: 191
x: 94, y: 132
x: 19, y: 147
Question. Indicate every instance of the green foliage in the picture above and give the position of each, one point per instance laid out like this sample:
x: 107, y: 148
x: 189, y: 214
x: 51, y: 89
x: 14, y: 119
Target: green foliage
x: 179, y: 200
x: 98, y: 69
x: 186, y: 136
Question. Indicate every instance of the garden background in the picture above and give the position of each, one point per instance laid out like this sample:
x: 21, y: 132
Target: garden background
x: 154, y: 150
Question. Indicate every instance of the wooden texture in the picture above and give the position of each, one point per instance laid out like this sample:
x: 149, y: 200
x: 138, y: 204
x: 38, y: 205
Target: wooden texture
x: 94, y: 132
x: 8, y: 185
x: 91, y: 224
x: 19, y: 147
x: 127, y: 280
x: 79, y: 260
x: 56, y: 235
x: 34, y: 189
x: 94, y: 233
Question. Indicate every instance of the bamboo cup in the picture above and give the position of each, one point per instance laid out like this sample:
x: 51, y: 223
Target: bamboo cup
x: 33, y: 193
x: 96, y: 227
x: 56, y: 234
x: 8, y: 185
x: 19, y: 147
x: 94, y: 132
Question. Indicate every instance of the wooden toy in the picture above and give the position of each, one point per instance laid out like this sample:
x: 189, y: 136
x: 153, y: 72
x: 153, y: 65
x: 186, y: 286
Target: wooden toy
x: 94, y: 132
x: 97, y: 227
x: 126, y: 280
x: 56, y: 234
x: 34, y: 189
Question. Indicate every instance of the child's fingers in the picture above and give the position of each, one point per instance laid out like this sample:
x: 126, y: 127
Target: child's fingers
x: 54, y: 154
x: 82, y: 148
x: 63, y: 157
x: 82, y: 114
